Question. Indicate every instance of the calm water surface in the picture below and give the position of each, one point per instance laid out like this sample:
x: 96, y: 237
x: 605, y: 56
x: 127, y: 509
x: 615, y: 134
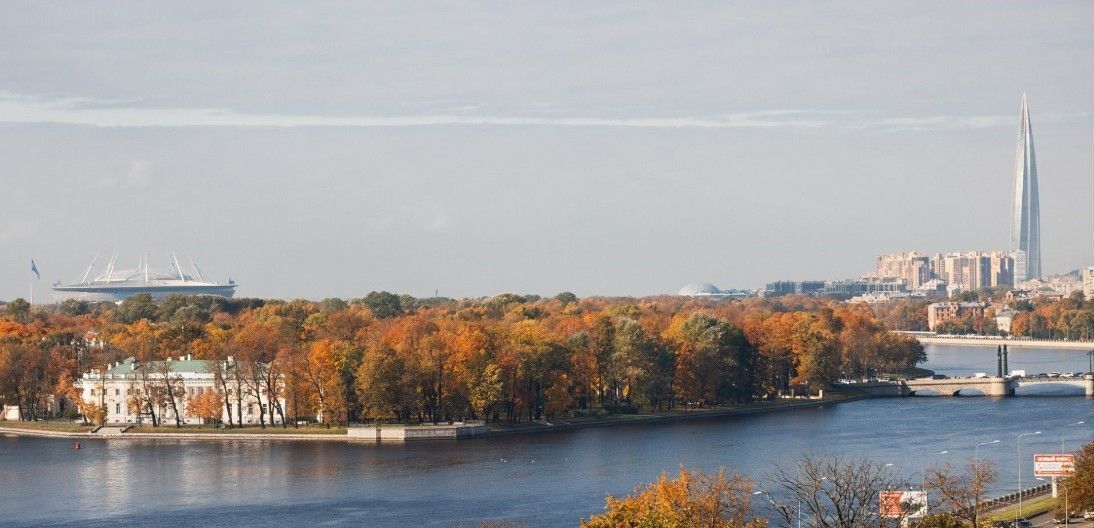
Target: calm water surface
x: 546, y: 480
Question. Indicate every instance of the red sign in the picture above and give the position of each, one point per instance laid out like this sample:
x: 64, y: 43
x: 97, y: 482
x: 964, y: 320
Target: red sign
x: 1053, y: 465
x: 889, y: 503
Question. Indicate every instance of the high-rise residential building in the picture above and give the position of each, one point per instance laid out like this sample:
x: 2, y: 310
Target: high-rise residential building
x: 974, y: 270
x: 1002, y: 269
x: 971, y: 270
x: 911, y: 267
x: 1088, y: 282
x: 1025, y: 228
x: 1021, y: 261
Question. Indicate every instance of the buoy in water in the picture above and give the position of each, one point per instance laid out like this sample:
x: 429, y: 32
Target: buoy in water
x: 77, y: 445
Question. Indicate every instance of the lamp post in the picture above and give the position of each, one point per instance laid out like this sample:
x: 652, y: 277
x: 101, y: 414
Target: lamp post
x: 976, y: 478
x: 776, y: 506
x: 924, y: 486
x: 1063, y: 433
x: 1018, y: 514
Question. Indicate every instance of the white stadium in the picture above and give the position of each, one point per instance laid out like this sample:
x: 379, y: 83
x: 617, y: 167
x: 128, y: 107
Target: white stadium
x: 115, y: 284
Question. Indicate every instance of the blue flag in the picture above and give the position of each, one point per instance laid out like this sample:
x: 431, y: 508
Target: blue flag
x: 34, y: 269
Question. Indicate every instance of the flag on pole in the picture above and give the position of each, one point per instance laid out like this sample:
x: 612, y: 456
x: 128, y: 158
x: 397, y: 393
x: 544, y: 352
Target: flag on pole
x: 34, y: 270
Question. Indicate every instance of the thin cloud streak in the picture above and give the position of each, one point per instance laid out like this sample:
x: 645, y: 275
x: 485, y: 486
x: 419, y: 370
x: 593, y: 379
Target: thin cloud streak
x: 15, y: 108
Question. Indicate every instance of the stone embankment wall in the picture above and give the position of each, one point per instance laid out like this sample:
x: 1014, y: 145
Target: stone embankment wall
x: 403, y: 433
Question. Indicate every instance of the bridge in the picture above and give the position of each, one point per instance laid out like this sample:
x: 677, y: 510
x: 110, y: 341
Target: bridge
x: 931, y: 338
x: 980, y: 386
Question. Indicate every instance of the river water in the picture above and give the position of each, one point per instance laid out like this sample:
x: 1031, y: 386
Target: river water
x: 544, y: 480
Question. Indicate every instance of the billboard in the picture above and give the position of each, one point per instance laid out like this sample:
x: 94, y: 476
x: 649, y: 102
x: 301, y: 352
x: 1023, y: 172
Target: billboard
x: 1053, y: 465
x: 907, y: 504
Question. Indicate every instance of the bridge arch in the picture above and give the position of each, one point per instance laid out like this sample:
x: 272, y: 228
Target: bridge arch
x: 1051, y: 387
x: 969, y: 391
x: 925, y: 392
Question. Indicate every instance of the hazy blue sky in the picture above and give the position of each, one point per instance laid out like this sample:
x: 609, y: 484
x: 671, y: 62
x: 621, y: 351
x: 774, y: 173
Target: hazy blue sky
x: 324, y: 149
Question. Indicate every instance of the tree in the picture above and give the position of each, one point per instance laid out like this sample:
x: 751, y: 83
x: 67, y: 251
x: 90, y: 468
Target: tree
x: 566, y: 298
x: 835, y: 491
x: 135, y: 308
x: 383, y: 304
x: 714, y: 363
x: 172, y: 389
x: 486, y: 390
x: 206, y: 406
x: 1079, y: 488
x: 384, y: 387
x: 692, y: 499
x: 19, y: 310
x: 961, y: 493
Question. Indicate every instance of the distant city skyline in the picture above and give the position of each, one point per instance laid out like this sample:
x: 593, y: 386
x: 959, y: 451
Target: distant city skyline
x: 617, y: 148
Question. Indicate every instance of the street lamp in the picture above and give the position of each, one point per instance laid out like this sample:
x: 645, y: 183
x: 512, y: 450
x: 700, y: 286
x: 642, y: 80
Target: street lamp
x: 1020, y: 494
x: 925, y: 467
x: 776, y: 506
x: 976, y: 452
x: 1063, y: 433
x: 976, y: 476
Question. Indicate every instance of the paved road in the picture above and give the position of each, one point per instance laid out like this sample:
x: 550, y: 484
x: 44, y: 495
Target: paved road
x: 1045, y: 519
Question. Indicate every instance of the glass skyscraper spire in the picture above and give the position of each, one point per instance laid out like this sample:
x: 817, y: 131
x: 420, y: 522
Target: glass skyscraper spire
x: 1025, y: 228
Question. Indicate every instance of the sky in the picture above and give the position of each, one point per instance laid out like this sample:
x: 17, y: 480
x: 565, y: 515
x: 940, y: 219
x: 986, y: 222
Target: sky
x: 328, y: 149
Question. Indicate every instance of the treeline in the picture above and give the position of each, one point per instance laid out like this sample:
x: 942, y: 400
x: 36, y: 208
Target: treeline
x: 508, y: 357
x: 1071, y: 317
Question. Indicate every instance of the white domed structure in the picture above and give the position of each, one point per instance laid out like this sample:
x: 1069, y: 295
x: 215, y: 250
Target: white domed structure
x: 696, y: 289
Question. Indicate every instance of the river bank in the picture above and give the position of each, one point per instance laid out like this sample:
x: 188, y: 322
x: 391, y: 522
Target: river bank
x: 495, y: 430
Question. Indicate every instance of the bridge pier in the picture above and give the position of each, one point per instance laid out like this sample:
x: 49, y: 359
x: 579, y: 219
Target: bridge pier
x: 1089, y: 389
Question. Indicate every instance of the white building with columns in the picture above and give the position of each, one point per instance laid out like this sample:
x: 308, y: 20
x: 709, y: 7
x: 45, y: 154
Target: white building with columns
x: 127, y: 389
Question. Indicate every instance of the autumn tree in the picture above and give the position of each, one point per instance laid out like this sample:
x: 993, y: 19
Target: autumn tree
x: 1079, y: 487
x: 692, y: 499
x: 385, y: 384
x: 205, y: 405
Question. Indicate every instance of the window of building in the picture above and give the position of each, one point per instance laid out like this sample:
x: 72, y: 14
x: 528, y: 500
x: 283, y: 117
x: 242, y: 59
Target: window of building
x: 117, y: 392
x: 118, y: 408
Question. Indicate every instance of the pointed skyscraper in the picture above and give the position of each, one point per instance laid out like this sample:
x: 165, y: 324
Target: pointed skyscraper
x: 1025, y: 228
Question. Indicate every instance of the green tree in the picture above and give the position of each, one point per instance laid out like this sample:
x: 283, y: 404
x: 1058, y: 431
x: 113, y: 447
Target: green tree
x: 135, y: 308
x: 566, y: 298
x: 383, y: 304
x: 75, y: 307
x: 18, y: 309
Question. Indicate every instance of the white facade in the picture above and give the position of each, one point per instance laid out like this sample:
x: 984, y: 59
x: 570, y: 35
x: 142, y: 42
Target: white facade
x: 1088, y: 282
x: 124, y: 383
x: 1004, y: 319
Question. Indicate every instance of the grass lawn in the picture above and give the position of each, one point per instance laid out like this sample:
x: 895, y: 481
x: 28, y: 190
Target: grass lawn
x: 65, y: 427
x: 206, y: 429
x: 1030, y: 507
